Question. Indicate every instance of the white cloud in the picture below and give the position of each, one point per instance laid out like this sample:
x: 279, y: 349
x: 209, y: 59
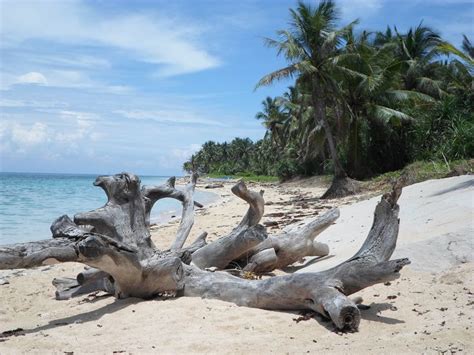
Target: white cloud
x: 169, y: 42
x: 25, y: 136
x: 359, y: 9
x: 63, y: 134
x: 182, y: 154
x: 13, y: 103
x: 169, y: 115
x: 82, y: 129
x: 78, y: 115
x: 67, y: 60
x: 82, y: 126
x: 32, y: 78
x: 61, y: 78
x: 68, y: 79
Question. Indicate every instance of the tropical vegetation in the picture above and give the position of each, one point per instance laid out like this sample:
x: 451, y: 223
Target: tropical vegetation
x: 360, y: 103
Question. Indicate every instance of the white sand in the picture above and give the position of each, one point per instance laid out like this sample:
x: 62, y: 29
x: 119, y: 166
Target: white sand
x: 430, y: 313
x: 436, y: 226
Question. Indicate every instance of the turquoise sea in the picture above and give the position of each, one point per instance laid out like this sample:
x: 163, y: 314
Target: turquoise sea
x: 30, y: 202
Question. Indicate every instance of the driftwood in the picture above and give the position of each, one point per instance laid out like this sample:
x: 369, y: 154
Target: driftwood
x: 214, y: 186
x: 114, y: 242
x: 244, y: 237
x: 288, y: 247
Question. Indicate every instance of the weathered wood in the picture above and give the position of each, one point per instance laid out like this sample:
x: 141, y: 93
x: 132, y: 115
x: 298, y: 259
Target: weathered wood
x: 325, y: 292
x: 226, y: 249
x: 27, y: 255
x: 214, y: 186
x: 123, y: 216
x: 290, y: 292
x: 294, y: 243
x: 256, y: 205
x: 263, y: 260
x: 154, y: 193
x: 187, y: 217
x: 133, y: 274
x: 243, y: 238
x: 66, y: 288
x: 199, y: 243
x: 90, y: 274
x: 115, y: 241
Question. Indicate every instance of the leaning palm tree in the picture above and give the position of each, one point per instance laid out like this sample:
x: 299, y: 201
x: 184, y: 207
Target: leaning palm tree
x: 311, y: 46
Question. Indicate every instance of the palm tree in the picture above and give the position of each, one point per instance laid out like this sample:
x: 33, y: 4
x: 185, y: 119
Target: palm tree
x: 311, y: 48
x: 300, y: 131
x: 371, y: 90
x: 241, y: 152
x: 417, y: 50
x: 273, y: 119
x: 382, y: 38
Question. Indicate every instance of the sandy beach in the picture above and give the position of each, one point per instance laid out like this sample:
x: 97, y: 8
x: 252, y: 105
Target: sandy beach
x: 428, y: 310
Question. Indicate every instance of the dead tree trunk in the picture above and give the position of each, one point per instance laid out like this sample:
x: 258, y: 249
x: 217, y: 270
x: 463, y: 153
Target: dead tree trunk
x: 325, y: 292
x: 115, y: 242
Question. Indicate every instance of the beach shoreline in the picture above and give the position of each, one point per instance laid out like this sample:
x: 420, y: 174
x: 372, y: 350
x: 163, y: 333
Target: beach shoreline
x: 423, y: 311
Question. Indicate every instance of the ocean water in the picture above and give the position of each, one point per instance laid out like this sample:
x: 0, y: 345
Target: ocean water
x: 30, y: 202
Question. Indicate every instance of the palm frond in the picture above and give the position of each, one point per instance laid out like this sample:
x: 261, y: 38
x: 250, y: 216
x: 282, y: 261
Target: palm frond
x: 403, y: 95
x: 385, y: 114
x: 430, y: 86
x: 447, y: 48
x: 280, y: 74
x: 351, y: 73
x: 288, y: 46
x: 467, y: 46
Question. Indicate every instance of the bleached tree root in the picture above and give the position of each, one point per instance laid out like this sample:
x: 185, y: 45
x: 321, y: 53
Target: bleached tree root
x: 87, y: 281
x: 67, y: 288
x: 28, y: 255
x: 294, y: 243
x: 154, y: 193
x: 115, y: 242
x: 325, y: 292
x: 244, y: 237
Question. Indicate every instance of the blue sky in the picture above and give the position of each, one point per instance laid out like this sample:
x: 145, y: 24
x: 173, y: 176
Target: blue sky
x: 105, y: 86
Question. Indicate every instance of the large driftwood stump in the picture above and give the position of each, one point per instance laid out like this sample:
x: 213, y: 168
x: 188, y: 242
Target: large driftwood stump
x: 114, y: 242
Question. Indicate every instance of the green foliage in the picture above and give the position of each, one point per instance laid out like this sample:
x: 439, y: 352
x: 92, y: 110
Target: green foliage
x: 361, y: 103
x: 445, y: 131
x: 422, y: 171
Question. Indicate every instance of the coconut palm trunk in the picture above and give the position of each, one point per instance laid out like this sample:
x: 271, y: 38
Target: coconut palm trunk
x: 341, y: 184
x: 320, y: 118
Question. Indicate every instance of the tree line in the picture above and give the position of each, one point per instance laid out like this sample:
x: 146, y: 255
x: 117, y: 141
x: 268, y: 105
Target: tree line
x: 361, y: 103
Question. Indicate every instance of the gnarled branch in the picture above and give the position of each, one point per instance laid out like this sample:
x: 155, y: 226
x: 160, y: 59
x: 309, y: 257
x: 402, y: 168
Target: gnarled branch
x: 293, y: 243
x: 242, y: 238
x: 187, y: 217
x: 152, y: 194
